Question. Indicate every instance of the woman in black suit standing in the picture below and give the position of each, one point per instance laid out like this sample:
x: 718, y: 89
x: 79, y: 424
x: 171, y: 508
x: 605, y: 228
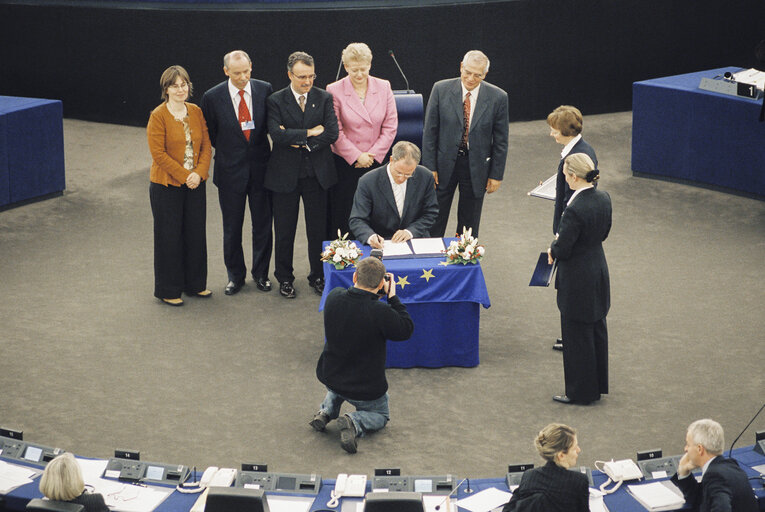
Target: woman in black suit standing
x: 553, y: 487
x: 566, y: 128
x: 62, y: 481
x: 583, y: 284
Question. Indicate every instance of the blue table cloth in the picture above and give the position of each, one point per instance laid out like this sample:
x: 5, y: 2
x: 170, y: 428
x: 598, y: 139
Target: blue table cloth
x: 443, y: 300
x: 31, y: 148
x: 685, y: 133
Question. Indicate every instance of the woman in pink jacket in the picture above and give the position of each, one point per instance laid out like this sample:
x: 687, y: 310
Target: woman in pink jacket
x: 367, y: 118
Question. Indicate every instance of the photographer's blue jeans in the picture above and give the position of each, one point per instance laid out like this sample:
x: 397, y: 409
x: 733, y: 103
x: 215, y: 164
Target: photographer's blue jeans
x: 370, y: 415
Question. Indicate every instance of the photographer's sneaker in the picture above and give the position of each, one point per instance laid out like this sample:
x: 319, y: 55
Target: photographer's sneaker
x: 347, y: 433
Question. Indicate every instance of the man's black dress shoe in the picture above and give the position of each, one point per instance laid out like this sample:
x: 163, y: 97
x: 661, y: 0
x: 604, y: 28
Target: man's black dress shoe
x: 233, y: 288
x: 317, y: 285
x: 287, y: 290
x: 558, y: 345
x: 263, y: 284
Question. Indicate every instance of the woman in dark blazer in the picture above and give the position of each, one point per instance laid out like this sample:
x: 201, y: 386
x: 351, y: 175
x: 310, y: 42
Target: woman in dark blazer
x: 367, y: 120
x: 62, y: 481
x: 566, y: 128
x: 553, y: 487
x: 583, y: 283
x: 180, y: 152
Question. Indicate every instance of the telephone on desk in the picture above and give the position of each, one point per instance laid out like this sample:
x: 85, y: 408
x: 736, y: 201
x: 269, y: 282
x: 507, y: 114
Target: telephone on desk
x: 618, y: 471
x: 212, y: 477
x: 348, y: 486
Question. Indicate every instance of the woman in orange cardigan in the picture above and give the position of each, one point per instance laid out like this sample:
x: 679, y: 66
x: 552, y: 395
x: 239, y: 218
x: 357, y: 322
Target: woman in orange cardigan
x: 181, y: 152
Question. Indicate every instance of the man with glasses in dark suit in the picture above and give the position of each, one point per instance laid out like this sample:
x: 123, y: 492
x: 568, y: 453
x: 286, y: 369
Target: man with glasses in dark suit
x: 302, y: 125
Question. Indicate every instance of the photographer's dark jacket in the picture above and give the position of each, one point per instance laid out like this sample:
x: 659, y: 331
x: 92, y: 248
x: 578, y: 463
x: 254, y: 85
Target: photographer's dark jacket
x: 357, y: 325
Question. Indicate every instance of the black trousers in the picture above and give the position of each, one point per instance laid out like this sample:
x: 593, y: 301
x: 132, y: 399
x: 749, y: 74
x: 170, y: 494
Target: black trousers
x: 232, y: 207
x: 341, y: 196
x: 585, y: 359
x: 468, y: 207
x: 286, y: 210
x: 180, y: 240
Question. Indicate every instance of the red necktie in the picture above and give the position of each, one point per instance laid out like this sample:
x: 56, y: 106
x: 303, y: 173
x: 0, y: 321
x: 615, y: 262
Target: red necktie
x: 466, y: 117
x: 244, y: 113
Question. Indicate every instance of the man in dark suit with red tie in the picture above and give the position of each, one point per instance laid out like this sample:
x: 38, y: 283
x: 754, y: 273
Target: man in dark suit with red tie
x: 302, y: 125
x: 464, y: 141
x: 235, y: 111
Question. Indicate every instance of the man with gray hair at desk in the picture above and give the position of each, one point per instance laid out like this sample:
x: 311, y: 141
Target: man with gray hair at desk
x: 724, y: 485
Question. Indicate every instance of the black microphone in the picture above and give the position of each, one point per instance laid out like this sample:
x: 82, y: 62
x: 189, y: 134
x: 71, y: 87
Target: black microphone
x: 390, y: 52
x: 742, y: 432
x: 438, y: 507
x: 339, y: 67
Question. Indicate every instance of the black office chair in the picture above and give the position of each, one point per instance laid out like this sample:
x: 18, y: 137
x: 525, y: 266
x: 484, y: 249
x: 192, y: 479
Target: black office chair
x: 40, y: 505
x: 236, y: 499
x: 394, y: 502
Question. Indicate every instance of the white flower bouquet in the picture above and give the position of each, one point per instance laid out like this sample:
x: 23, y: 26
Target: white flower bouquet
x: 465, y: 249
x: 341, y: 252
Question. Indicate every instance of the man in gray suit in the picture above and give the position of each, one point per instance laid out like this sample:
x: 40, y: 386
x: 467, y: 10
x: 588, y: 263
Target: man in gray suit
x: 396, y: 201
x: 465, y: 141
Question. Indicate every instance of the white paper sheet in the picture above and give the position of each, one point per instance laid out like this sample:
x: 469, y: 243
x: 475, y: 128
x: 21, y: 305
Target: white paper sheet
x: 279, y: 503
x: 13, y: 476
x: 656, y: 496
x: 485, y: 500
x: 428, y: 245
x: 431, y: 501
x: 392, y: 250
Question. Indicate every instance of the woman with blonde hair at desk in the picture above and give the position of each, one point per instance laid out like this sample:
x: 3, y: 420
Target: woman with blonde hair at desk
x: 553, y: 487
x: 62, y: 481
x: 368, y: 120
x: 181, y: 152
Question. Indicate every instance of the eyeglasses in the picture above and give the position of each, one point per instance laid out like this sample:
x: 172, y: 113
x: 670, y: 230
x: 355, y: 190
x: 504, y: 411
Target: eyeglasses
x: 401, y: 174
x: 304, y: 77
x: 184, y: 85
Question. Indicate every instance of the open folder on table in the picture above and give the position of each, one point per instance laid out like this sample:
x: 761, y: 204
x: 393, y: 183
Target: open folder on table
x: 543, y: 272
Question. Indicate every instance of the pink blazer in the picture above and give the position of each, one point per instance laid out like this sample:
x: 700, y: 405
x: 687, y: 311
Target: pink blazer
x: 368, y: 127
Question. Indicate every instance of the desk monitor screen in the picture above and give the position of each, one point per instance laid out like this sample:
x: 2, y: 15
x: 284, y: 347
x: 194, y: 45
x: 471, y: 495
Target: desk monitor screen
x: 155, y: 473
x: 286, y: 483
x: 422, y: 485
x: 33, y: 453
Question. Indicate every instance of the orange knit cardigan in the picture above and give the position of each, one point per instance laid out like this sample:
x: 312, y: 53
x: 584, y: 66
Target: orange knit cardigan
x: 167, y: 144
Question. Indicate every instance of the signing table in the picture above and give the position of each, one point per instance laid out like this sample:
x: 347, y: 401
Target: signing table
x: 444, y: 302
x: 692, y: 135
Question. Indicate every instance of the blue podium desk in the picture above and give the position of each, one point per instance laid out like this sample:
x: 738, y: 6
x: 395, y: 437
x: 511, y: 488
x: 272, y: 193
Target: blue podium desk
x: 620, y: 500
x: 685, y: 133
x: 444, y: 302
x: 31, y: 148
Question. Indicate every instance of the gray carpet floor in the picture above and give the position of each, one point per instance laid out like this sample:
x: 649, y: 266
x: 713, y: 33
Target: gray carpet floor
x: 91, y: 361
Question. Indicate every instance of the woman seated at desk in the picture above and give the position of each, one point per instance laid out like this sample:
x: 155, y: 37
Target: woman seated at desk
x: 62, y: 481
x: 553, y: 487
